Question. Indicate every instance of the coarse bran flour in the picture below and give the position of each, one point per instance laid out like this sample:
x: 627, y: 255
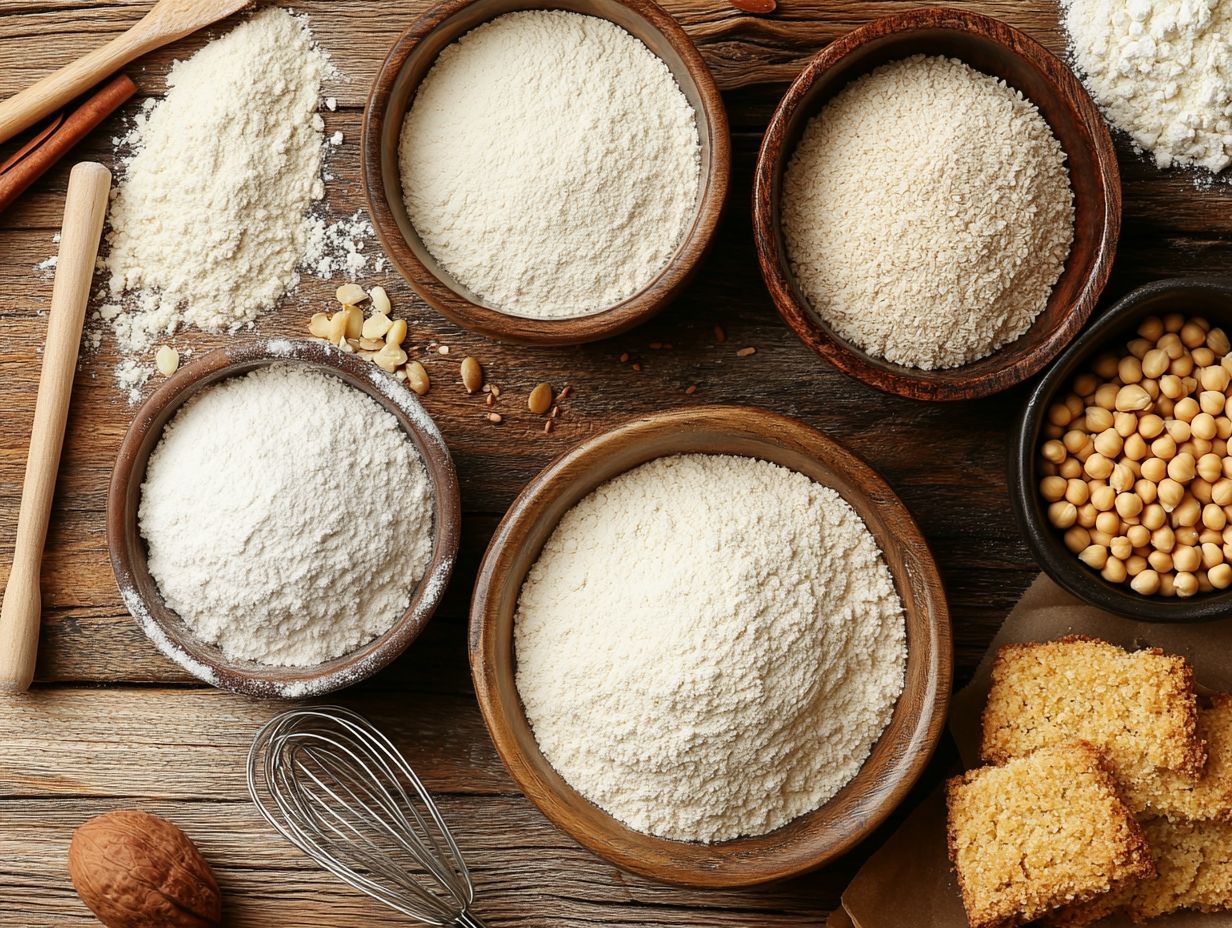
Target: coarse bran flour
x: 927, y: 213
x: 287, y: 515
x: 708, y: 646
x: 550, y: 163
x: 1161, y: 70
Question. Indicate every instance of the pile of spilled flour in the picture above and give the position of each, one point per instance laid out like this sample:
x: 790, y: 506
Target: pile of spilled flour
x: 1161, y: 70
x: 708, y: 646
x: 264, y: 531
x: 214, y: 214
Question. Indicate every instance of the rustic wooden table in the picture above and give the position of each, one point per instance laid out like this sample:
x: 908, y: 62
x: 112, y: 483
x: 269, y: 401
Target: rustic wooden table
x: 110, y: 723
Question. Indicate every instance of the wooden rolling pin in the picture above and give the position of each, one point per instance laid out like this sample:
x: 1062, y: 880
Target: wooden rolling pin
x: 168, y: 21
x: 84, y: 209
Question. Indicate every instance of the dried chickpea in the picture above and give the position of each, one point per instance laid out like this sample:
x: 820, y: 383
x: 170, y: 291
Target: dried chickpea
x: 1147, y: 490
x: 1156, y: 469
x: 1098, y: 466
x: 1095, y: 556
x: 1151, y: 328
x: 1214, y: 518
x: 1146, y: 582
x: 1185, y: 584
x: 1186, y: 535
x: 1085, y: 384
x: 1186, y: 409
x: 1139, y: 347
x: 1200, y: 490
x: 1178, y: 430
x: 1070, y: 468
x: 1139, y: 536
x: 1212, y: 554
x: 1129, y: 369
x: 1105, y: 366
x: 1103, y: 498
x: 1110, y: 442
x: 1100, y: 538
x: 1182, y: 468
x: 1182, y: 366
x: 1171, y: 494
x: 1122, y: 478
x: 1220, y: 576
x: 1221, y: 492
x: 1155, y: 363
x: 1107, y: 522
x: 1188, y: 513
x: 1135, y: 565
x: 1105, y: 396
x: 1087, y: 515
x: 1135, y: 448
x: 1098, y: 419
x: 1160, y: 561
x: 1212, y: 403
x: 1077, y: 539
x: 1128, y: 505
x: 1170, y: 386
x: 1059, y: 414
x: 1114, y: 571
x: 1186, y: 558
x: 1153, y: 516
x: 1054, y: 451
x: 1120, y: 548
x: 1077, y: 492
x: 1210, y: 466
x: 1164, y: 447
x: 1217, y: 341
x: 1132, y: 398
x: 1162, y: 539
x: 1166, y: 585
x: 1192, y: 334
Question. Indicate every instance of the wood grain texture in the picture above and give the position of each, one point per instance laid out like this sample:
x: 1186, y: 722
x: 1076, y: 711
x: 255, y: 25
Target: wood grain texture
x: 149, y: 737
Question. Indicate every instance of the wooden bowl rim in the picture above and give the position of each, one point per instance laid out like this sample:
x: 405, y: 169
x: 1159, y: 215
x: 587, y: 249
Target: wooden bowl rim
x: 745, y: 861
x: 712, y: 125
x: 951, y: 383
x: 1045, y: 543
x: 140, y: 591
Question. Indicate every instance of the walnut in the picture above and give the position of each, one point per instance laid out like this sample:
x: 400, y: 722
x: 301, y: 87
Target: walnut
x: 136, y: 870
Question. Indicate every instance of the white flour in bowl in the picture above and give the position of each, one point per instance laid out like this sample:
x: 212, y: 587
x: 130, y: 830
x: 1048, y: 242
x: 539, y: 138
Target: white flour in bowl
x: 709, y: 646
x: 287, y: 516
x: 550, y: 163
x: 927, y: 213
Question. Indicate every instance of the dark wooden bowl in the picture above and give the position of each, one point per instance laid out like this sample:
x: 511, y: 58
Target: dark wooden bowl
x: 410, y: 59
x: 898, y: 757
x: 1211, y: 298
x: 994, y: 48
x: 128, y: 551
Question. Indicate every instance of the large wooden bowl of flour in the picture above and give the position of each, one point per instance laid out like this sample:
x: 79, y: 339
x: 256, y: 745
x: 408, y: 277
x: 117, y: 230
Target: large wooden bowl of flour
x: 898, y: 756
x: 140, y: 591
x: 393, y: 92
x: 993, y: 48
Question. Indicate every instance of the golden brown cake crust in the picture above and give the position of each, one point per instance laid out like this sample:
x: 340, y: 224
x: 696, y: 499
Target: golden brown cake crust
x: 1054, y: 797
x: 1084, y: 688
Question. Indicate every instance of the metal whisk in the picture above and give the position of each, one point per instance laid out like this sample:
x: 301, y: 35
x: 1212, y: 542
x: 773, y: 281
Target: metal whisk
x: 337, y: 789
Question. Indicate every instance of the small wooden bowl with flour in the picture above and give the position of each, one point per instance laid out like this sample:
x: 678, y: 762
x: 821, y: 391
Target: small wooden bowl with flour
x: 1001, y: 52
x: 898, y: 755
x: 559, y: 252
x: 130, y: 552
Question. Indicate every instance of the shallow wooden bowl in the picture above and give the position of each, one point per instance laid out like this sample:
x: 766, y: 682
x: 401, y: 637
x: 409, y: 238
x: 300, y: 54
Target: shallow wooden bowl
x: 409, y: 61
x: 992, y: 47
x: 1192, y: 296
x: 128, y: 551
x: 897, y: 759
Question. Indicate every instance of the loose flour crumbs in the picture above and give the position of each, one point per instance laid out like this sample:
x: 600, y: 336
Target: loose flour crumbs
x: 265, y: 533
x: 1161, y: 70
x: 550, y: 163
x: 927, y: 213
x: 709, y: 646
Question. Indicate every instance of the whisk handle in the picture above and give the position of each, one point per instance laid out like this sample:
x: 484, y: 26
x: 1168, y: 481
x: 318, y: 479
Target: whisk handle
x: 467, y: 920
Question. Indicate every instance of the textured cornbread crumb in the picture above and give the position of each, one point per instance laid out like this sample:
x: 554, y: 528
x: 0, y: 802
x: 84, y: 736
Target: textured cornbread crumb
x: 1182, y: 800
x: 1140, y: 709
x: 1045, y: 830
x: 1195, y: 869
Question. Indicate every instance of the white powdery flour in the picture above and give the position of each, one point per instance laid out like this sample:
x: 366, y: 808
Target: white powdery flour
x: 709, y: 646
x: 211, y: 216
x: 550, y: 163
x: 1162, y: 72
x: 288, y: 517
x: 927, y: 213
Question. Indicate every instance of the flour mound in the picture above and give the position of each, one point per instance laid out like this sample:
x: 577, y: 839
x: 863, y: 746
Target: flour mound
x: 927, y: 213
x: 210, y: 220
x: 709, y: 646
x: 272, y: 528
x: 1161, y: 70
x: 550, y: 163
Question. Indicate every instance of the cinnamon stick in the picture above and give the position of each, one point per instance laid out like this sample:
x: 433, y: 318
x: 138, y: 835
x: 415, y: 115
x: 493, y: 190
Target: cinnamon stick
x: 33, y: 159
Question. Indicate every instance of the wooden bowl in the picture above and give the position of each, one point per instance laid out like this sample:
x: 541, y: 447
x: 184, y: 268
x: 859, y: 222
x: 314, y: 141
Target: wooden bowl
x: 897, y: 758
x: 409, y: 61
x: 128, y: 551
x: 1211, y: 298
x: 994, y: 48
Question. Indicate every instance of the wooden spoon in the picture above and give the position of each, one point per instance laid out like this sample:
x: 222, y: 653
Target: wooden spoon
x: 168, y: 21
x: 84, y: 208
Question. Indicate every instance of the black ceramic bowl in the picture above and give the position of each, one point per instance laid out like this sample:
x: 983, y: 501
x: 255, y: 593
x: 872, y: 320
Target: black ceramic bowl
x: 1211, y: 298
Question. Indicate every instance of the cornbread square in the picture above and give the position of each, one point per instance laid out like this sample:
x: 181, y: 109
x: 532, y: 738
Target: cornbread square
x: 1139, y: 708
x: 1045, y: 830
x: 1180, y: 799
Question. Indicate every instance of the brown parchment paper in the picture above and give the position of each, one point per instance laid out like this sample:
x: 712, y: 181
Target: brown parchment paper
x: 908, y: 882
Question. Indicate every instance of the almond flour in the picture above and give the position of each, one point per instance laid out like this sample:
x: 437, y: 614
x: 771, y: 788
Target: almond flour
x: 708, y: 646
x: 927, y: 213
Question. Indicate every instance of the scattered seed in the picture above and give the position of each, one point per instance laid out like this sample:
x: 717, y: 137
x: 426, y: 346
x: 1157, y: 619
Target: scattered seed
x: 472, y: 374
x: 719, y: 335
x: 417, y: 377
x: 487, y: 388
x: 167, y: 360
x: 390, y: 358
x: 350, y: 294
x: 380, y: 301
x: 318, y: 325
x: 540, y: 399
x: 354, y: 321
x: 554, y: 413
x: 691, y: 389
x: 490, y: 400
x: 636, y: 366
x: 745, y: 352
x: 495, y: 417
x: 397, y: 333
x: 547, y: 427
x: 564, y: 394
x: 443, y: 349
x: 655, y: 346
x: 624, y: 357
x: 496, y: 391
x: 337, y: 328
x: 376, y: 326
